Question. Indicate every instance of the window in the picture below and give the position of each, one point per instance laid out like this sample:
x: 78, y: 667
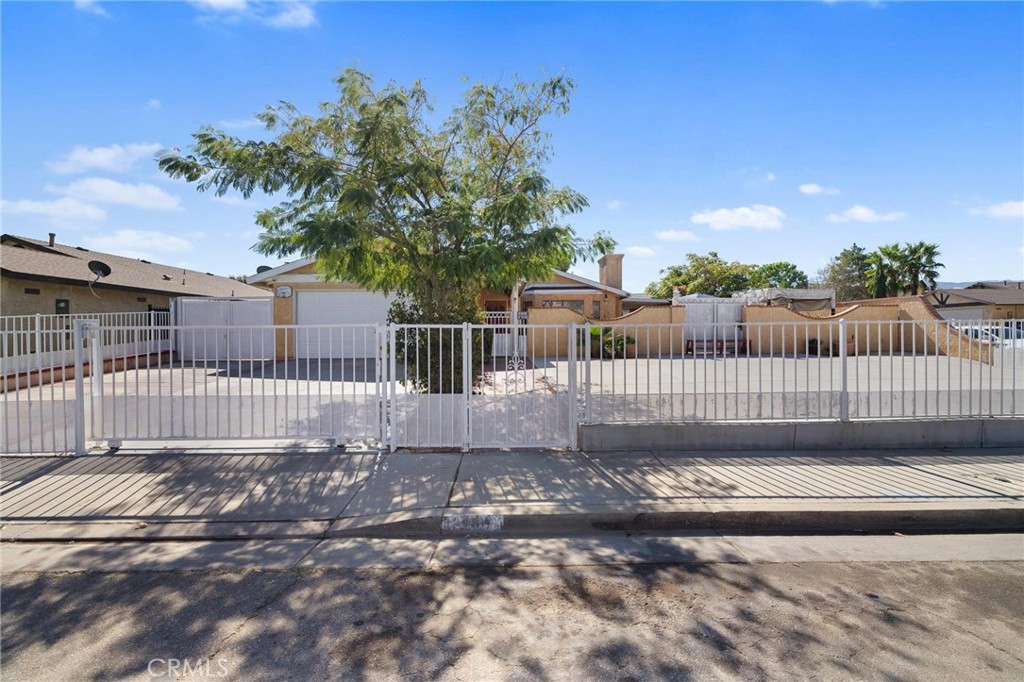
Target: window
x: 141, y: 299
x: 63, y: 306
x: 571, y: 305
x: 596, y: 310
x: 32, y: 292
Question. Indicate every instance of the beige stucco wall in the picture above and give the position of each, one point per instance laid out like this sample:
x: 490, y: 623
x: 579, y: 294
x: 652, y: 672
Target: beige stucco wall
x: 864, y: 335
x: 648, y: 340
x: 866, y: 331
x: 14, y: 300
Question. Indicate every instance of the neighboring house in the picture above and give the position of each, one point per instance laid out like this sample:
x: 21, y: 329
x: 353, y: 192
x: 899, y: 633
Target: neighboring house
x: 996, y: 284
x: 981, y: 301
x: 46, y: 277
x: 301, y: 297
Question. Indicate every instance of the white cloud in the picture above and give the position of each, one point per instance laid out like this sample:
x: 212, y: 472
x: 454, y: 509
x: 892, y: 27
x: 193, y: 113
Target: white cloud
x: 863, y: 214
x: 640, y: 251
x: 107, y: 191
x: 284, y: 14
x: 757, y: 217
x: 1011, y: 210
x: 770, y: 177
x: 138, y: 244
x: 676, y: 236
x: 153, y: 103
x: 90, y: 6
x: 59, y: 211
x: 615, y: 205
x: 240, y: 123
x: 115, y: 158
x: 811, y: 188
x: 222, y: 5
x: 294, y: 15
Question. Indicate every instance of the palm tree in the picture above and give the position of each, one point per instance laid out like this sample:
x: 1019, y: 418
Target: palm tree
x: 878, y: 275
x: 895, y: 267
x: 922, y: 266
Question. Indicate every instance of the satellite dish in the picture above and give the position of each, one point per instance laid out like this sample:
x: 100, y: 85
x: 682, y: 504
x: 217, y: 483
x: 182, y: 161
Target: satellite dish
x: 263, y: 268
x: 99, y: 268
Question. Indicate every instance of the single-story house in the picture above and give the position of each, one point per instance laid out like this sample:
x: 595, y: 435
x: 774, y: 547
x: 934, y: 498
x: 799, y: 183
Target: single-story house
x: 979, y: 302
x: 45, y: 277
x: 302, y: 297
x: 998, y: 284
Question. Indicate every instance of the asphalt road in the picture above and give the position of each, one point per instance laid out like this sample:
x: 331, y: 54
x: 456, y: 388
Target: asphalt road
x: 890, y: 620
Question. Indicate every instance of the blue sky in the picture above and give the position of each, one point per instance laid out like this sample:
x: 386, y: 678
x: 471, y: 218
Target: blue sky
x: 773, y: 131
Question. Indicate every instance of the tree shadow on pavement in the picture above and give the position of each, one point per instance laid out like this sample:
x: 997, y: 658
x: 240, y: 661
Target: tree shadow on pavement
x: 676, y: 621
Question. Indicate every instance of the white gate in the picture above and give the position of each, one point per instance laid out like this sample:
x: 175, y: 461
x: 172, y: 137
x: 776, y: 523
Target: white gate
x: 270, y: 395
x: 706, y: 318
x: 224, y: 328
x: 449, y: 387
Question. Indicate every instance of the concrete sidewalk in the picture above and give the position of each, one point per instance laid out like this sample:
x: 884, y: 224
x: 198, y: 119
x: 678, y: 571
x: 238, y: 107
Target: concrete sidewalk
x: 175, y: 495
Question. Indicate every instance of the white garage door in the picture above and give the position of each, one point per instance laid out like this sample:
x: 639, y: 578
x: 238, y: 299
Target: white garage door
x: 319, y: 308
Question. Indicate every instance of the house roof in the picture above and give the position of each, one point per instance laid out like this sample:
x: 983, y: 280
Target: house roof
x: 270, y: 274
x: 998, y: 284
x: 591, y: 283
x: 279, y: 270
x: 26, y: 258
x: 985, y: 296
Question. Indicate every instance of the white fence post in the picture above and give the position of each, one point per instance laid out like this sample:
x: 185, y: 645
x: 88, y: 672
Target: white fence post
x: 380, y: 369
x: 39, y: 347
x: 574, y: 399
x: 844, y: 393
x: 80, y: 418
x: 586, y: 372
x: 467, y: 385
x: 393, y: 393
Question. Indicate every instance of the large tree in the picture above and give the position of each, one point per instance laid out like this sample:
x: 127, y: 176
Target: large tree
x: 847, y: 274
x: 922, y: 267
x: 702, y: 275
x: 381, y: 195
x: 783, y: 275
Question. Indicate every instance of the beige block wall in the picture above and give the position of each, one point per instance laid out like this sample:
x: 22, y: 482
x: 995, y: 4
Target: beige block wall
x: 14, y: 300
x: 864, y: 333
x: 649, y: 341
x: 658, y: 340
x: 867, y: 331
x: 932, y: 333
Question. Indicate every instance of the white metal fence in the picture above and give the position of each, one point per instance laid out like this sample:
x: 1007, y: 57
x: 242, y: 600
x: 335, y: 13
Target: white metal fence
x: 805, y: 371
x: 491, y: 385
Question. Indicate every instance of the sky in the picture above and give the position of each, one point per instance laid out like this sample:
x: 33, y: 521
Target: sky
x: 762, y: 131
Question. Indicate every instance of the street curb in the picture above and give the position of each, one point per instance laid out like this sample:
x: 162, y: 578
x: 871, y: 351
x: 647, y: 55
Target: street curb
x: 501, y: 522
x: 889, y: 518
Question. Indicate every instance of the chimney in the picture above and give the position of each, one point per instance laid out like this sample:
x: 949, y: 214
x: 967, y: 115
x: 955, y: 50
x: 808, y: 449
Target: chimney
x: 53, y: 237
x: 610, y: 270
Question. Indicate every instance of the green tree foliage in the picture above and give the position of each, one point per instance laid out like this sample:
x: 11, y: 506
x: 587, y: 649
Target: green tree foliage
x: 380, y: 195
x: 922, y: 267
x: 891, y: 270
x: 783, y: 275
x: 603, y: 243
x: 702, y: 275
x: 847, y: 274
